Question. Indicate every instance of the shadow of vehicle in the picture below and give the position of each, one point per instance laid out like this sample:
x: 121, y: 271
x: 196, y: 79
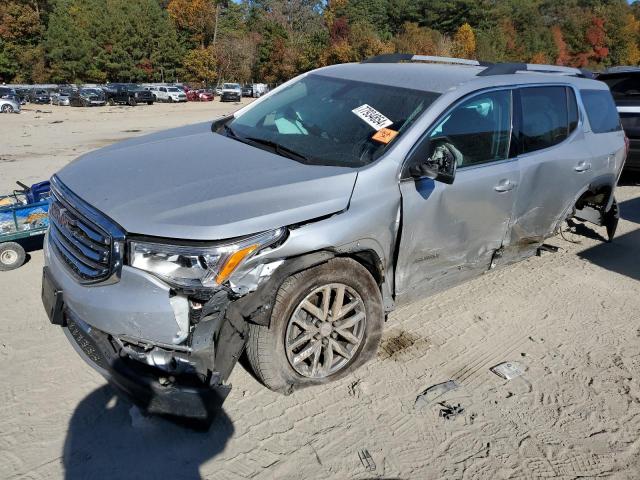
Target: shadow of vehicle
x: 620, y: 256
x: 108, y: 437
x: 630, y: 210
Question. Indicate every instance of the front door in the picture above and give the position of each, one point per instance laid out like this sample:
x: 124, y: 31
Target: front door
x: 450, y: 232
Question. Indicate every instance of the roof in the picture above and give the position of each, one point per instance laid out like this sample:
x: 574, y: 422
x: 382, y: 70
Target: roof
x: 439, y: 78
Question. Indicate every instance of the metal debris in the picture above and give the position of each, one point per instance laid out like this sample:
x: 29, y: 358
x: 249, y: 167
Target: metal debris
x: 449, y: 412
x: 508, y: 370
x: 434, y: 392
x: 366, y: 460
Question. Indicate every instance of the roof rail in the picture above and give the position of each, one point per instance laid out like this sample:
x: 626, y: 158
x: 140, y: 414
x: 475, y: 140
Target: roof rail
x: 410, y: 57
x: 622, y: 69
x: 511, y: 68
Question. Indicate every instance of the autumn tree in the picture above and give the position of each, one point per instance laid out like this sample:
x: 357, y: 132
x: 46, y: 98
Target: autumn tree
x: 415, y: 39
x: 464, y: 42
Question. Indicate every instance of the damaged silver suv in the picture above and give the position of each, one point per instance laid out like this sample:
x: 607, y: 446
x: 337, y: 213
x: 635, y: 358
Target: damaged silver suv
x: 288, y: 231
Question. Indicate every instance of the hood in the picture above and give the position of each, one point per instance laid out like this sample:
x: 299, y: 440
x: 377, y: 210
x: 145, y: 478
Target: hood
x: 190, y: 183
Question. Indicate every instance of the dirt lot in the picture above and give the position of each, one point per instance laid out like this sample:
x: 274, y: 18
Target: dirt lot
x: 570, y: 319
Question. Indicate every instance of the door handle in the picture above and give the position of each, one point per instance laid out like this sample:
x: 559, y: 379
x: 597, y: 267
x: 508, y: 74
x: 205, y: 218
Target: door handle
x: 582, y: 167
x: 504, y: 186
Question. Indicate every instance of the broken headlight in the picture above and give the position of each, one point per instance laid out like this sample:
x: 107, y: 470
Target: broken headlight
x: 195, y: 266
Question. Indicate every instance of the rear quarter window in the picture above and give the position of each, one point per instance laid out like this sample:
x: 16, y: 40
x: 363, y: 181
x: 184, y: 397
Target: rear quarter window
x: 601, y: 111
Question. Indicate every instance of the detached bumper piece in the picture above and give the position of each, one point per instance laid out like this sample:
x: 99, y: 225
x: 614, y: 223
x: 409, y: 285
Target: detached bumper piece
x: 167, y: 398
x: 183, y: 396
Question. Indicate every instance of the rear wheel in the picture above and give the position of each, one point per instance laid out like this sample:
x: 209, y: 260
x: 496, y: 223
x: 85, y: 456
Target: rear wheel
x: 12, y: 256
x: 132, y: 102
x: 325, y: 323
x: 111, y: 102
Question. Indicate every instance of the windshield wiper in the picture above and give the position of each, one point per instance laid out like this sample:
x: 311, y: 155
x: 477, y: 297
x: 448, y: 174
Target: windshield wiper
x: 279, y: 149
x: 263, y: 142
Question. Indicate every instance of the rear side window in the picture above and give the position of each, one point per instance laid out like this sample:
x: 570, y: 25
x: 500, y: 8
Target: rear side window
x: 601, y: 110
x: 545, y: 118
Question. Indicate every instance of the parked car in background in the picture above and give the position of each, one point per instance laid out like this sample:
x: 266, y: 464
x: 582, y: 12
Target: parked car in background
x: 170, y: 94
x: 624, y: 83
x: 39, y: 96
x: 9, y: 105
x: 127, y: 94
x: 192, y: 96
x: 247, y: 90
x: 87, y: 97
x: 206, y: 95
x: 260, y: 89
x: 61, y: 96
x: 218, y: 90
x: 292, y: 228
x: 23, y: 95
x: 231, y: 92
x: 9, y: 93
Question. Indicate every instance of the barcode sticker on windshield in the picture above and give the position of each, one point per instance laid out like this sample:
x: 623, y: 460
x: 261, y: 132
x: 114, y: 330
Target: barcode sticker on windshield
x: 373, y: 117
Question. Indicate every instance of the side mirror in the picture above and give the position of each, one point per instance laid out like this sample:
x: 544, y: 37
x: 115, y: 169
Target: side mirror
x: 440, y: 164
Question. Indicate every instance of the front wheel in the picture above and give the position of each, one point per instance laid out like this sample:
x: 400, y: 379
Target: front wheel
x: 325, y: 323
x: 7, y: 108
x: 111, y: 102
x: 12, y: 255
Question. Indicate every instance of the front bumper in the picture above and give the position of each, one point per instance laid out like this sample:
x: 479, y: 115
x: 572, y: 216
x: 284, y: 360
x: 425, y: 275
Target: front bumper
x: 119, y: 328
x: 230, y: 97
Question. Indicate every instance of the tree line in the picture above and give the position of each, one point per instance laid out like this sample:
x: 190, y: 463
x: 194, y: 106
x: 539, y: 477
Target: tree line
x: 208, y: 41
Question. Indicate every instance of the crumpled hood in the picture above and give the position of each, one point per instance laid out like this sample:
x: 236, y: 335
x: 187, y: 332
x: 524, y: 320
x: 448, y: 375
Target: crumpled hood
x: 190, y: 183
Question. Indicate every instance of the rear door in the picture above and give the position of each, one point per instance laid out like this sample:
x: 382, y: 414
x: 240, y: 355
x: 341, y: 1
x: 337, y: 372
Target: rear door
x: 450, y: 232
x: 554, y: 160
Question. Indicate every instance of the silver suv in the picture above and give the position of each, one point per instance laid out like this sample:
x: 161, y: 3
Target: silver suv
x: 288, y: 231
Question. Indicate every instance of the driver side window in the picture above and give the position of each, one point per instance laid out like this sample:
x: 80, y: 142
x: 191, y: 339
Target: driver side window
x: 479, y: 128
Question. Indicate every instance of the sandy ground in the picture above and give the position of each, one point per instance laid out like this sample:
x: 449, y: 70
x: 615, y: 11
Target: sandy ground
x: 570, y: 319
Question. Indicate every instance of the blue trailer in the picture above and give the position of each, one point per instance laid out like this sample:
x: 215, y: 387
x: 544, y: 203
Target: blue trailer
x: 24, y: 214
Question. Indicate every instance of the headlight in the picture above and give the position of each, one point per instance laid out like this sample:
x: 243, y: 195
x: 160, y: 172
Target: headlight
x: 194, y: 266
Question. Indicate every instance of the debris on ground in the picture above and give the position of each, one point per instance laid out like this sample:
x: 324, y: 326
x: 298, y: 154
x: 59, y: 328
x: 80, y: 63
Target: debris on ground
x: 508, y: 370
x: 449, y: 412
x: 366, y: 460
x: 56, y: 121
x: 545, y: 247
x: 434, y: 392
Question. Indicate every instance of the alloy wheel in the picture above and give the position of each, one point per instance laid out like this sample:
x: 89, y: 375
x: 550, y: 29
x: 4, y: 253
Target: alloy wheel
x: 325, y: 331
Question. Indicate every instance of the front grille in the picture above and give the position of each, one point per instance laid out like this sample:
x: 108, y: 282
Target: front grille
x: 88, y: 243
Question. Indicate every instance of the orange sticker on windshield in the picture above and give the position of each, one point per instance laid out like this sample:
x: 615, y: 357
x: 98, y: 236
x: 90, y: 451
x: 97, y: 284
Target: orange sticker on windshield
x: 384, y: 135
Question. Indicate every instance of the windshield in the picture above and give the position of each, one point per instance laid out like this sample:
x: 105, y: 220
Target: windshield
x: 89, y: 91
x: 330, y: 121
x: 173, y: 89
x: 231, y: 86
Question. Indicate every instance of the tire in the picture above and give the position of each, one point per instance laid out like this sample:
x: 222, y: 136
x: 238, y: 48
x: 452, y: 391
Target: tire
x: 149, y: 103
x: 170, y: 99
x: 266, y: 350
x: 132, y: 102
x: 111, y: 102
x: 7, y: 108
x: 12, y: 256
